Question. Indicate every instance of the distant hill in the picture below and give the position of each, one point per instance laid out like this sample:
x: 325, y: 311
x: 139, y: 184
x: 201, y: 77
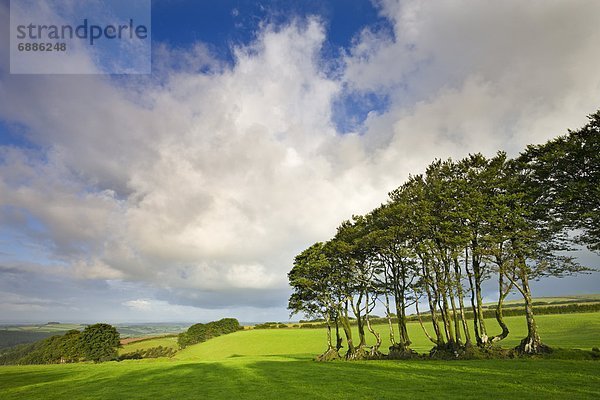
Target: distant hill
x: 12, y: 335
x: 552, y: 301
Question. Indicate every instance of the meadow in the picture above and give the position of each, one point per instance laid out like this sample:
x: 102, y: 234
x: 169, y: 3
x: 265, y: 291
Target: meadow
x: 277, y: 363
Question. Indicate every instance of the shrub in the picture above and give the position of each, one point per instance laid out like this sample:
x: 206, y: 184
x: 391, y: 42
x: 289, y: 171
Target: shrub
x: 199, y: 333
x: 100, y: 342
x: 153, y: 352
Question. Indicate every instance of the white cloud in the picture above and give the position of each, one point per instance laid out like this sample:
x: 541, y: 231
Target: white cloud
x: 139, y: 305
x: 205, y: 186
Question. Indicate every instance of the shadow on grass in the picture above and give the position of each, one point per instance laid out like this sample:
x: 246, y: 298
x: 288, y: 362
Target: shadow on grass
x: 266, y: 378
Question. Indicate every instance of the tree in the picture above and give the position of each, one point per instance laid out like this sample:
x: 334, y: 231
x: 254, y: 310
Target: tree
x: 395, y: 277
x: 313, y: 281
x: 199, y: 333
x: 533, y: 247
x: 99, y: 342
x: 459, y: 223
x: 563, y: 175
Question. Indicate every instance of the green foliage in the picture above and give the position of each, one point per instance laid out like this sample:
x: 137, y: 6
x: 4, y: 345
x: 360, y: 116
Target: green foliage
x: 99, y: 342
x: 270, y: 325
x: 53, y: 350
x: 152, y: 352
x: 199, y: 333
x: 10, y: 338
x: 563, y: 175
x: 444, y: 232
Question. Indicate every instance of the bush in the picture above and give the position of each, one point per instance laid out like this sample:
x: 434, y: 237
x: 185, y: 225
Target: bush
x: 153, y: 352
x: 100, y: 342
x: 53, y: 350
x: 199, y: 333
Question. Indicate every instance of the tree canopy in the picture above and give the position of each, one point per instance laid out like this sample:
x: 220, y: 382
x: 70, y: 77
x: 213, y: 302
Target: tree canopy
x: 443, y: 233
x: 99, y: 342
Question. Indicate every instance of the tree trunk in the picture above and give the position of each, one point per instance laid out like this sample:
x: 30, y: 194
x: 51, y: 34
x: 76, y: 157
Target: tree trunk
x: 473, y: 305
x: 359, y: 321
x: 461, y: 303
x: 421, y: 322
x: 356, y: 352
x: 331, y: 353
x: 347, y: 330
x: 499, y: 317
x: 434, y: 319
x: 338, y: 338
x: 455, y: 319
x: 389, y: 317
x: 478, y: 278
x: 374, y: 353
x: 432, y: 307
x: 532, y: 344
x: 446, y: 318
x: 399, y: 300
x: 328, y: 322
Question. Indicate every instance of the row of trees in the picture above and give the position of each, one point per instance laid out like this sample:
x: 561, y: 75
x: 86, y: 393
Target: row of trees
x: 199, y: 333
x: 98, y: 342
x: 445, y: 232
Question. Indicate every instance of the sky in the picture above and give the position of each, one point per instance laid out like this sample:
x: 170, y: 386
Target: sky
x: 185, y: 194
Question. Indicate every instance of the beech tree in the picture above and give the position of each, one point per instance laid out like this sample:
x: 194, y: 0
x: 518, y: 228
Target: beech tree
x: 445, y: 232
x: 563, y: 176
x: 313, y: 281
x: 99, y: 342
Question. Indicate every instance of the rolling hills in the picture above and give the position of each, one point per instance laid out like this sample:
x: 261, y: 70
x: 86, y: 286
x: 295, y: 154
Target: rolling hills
x: 258, y: 364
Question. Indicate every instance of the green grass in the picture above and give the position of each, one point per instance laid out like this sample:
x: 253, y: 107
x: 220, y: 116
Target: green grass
x: 580, y: 331
x: 45, y: 328
x: 553, y: 299
x: 167, y: 341
x: 258, y: 364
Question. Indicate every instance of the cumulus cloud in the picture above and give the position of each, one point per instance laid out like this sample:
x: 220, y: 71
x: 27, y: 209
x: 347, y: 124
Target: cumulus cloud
x: 204, y: 185
x: 139, y: 305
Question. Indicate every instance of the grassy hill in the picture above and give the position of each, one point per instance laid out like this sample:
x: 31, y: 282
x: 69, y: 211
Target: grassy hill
x: 554, y: 301
x: 164, y: 341
x: 580, y: 331
x: 258, y: 364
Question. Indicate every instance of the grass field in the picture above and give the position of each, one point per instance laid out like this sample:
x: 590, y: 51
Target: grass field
x: 51, y: 328
x: 257, y: 364
x: 167, y: 341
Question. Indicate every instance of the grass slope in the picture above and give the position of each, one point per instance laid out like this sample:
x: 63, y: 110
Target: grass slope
x: 287, y: 378
x: 579, y: 331
x: 260, y: 364
x: 166, y: 341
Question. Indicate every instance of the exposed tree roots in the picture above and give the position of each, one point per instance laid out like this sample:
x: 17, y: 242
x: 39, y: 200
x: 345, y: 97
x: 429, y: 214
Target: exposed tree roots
x: 454, y: 351
x: 401, y: 353
x: 532, y: 346
x: 330, y: 355
x: 446, y: 351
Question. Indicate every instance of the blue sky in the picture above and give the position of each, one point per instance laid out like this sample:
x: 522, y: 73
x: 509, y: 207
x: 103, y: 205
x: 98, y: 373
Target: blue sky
x: 229, y: 23
x: 184, y: 195
x: 225, y: 25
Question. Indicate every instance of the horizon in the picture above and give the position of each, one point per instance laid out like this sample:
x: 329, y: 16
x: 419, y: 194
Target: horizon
x: 184, y: 195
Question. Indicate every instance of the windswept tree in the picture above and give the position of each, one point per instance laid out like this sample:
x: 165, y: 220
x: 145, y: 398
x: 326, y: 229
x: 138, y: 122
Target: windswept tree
x: 533, y: 248
x: 99, y: 342
x: 563, y: 176
x: 444, y: 233
x: 356, y: 266
x: 396, y: 275
x: 315, y: 294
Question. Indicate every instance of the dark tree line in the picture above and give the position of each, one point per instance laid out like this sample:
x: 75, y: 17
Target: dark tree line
x: 199, y: 333
x: 442, y: 234
x: 98, y: 342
